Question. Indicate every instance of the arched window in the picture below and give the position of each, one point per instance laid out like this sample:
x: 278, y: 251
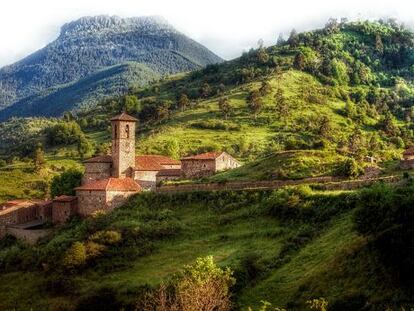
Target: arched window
x: 127, y: 130
x: 115, y: 131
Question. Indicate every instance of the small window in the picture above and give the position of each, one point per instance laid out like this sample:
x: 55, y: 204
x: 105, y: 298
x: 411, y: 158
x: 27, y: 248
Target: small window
x: 127, y: 130
x: 115, y: 131
x: 204, y: 165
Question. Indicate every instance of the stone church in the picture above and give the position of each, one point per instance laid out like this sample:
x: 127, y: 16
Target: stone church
x: 110, y: 179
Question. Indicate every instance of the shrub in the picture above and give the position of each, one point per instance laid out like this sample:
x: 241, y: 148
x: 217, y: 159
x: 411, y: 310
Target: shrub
x: 349, y: 168
x: 3, y: 163
x: 75, y: 256
x: 202, y: 286
x: 108, y: 237
x: 64, y: 183
x: 216, y: 125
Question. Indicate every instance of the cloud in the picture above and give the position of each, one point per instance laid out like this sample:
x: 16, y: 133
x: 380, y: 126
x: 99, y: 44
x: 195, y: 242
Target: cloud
x: 227, y: 27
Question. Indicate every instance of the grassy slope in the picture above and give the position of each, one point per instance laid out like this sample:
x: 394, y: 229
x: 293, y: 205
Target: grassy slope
x: 327, y: 266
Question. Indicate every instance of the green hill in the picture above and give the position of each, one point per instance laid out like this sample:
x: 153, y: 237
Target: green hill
x: 315, y: 105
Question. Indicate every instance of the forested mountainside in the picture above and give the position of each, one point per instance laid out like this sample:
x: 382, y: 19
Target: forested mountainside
x: 315, y: 104
x: 94, y: 43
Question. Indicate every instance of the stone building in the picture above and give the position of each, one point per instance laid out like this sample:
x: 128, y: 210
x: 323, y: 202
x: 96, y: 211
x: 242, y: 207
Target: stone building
x: 64, y: 207
x: 407, y: 161
x: 105, y: 194
x: 207, y: 164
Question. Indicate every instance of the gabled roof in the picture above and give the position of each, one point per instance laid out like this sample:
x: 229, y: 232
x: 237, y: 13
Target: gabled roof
x: 409, y: 151
x: 99, y: 159
x: 153, y: 162
x: 170, y: 172
x: 124, y: 117
x: 111, y: 184
x: 65, y: 198
x: 204, y: 156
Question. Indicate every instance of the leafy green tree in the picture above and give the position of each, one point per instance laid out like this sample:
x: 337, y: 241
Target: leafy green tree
x: 63, y: 133
x: 64, y: 183
x: 225, y: 107
x: 262, y: 56
x: 172, y: 148
x: 293, y: 39
x: 388, y: 125
x: 265, y: 88
x: 84, y: 147
x: 255, y: 103
x: 205, y: 90
x: 350, y: 168
x: 183, y: 102
x: 299, y: 61
x: 131, y: 104
x: 39, y: 157
x: 379, y: 46
x: 281, y: 105
x: 350, y: 109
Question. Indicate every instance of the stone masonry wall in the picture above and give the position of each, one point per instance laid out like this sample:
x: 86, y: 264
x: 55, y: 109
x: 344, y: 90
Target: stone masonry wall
x: 123, y: 148
x: 198, y: 168
x: 62, y: 211
x: 90, y: 201
x: 96, y: 171
x: 146, y: 179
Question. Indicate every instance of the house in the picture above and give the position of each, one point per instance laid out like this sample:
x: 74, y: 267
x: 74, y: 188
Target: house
x: 407, y: 161
x: 64, y: 207
x: 207, y: 164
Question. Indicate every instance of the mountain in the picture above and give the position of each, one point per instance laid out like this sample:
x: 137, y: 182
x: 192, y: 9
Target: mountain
x: 91, y: 44
x: 316, y: 105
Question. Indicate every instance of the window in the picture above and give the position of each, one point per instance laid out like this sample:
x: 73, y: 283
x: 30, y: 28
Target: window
x: 115, y: 131
x: 127, y: 130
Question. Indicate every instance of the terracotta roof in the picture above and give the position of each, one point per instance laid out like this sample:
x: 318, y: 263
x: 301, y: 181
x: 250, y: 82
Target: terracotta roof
x: 169, y: 172
x: 99, y: 159
x: 124, y: 117
x: 204, y: 156
x: 65, y: 198
x: 153, y: 162
x: 18, y: 203
x: 114, y: 184
x: 409, y: 151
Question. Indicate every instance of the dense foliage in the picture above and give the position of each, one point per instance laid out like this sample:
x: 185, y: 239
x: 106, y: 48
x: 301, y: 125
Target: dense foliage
x: 65, y: 183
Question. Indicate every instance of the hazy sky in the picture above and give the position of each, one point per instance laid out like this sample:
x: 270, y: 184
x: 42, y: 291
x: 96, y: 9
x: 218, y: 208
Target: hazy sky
x: 227, y: 27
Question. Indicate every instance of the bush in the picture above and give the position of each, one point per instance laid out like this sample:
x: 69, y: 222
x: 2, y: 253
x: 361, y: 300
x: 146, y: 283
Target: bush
x: 3, y: 163
x: 65, y: 183
x: 349, y: 168
x: 75, y: 256
x: 108, y: 237
x: 216, y: 125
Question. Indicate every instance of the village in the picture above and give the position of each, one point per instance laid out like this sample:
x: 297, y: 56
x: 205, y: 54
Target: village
x: 109, y: 180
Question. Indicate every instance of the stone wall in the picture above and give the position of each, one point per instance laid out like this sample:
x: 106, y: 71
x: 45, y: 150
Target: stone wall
x: 90, y: 201
x: 359, y: 183
x: 96, y: 171
x: 18, y: 215
x: 117, y: 198
x: 62, y: 211
x: 146, y: 179
x: 198, y: 168
x: 226, y: 162
x: 28, y: 236
x: 241, y: 185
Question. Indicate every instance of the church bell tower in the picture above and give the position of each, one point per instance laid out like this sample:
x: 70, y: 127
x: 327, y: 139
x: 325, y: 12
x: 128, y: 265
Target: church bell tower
x: 123, y: 145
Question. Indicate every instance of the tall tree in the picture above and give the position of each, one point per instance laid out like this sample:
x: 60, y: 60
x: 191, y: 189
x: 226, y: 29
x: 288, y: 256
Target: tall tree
x: 183, y: 102
x: 299, y: 61
x: 39, y: 157
x: 379, y: 46
x: 293, y: 39
x: 255, y: 103
x: 265, y: 88
x: 280, y: 40
x: 281, y: 106
x: 84, y: 146
x: 225, y: 106
x: 205, y: 90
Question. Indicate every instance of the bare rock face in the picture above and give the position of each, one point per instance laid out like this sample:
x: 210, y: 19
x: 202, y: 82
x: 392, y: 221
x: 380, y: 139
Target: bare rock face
x: 91, y: 44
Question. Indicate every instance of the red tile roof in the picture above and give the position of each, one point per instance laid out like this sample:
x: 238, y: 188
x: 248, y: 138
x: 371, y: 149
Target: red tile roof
x: 65, y: 198
x: 124, y: 117
x: 153, y: 162
x: 111, y: 184
x: 204, y: 156
x: 99, y: 159
x: 170, y: 172
x: 409, y: 151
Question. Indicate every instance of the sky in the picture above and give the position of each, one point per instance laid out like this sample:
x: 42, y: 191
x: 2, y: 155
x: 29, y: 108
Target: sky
x: 227, y: 27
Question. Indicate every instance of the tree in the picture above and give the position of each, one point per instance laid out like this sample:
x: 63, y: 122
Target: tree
x: 280, y: 40
x: 379, y: 46
x: 350, y: 168
x: 293, y: 39
x: 63, y: 133
x: 388, y: 124
x: 281, y: 106
x: 131, y: 104
x: 183, y: 102
x: 225, y: 106
x: 265, y: 88
x: 255, y: 103
x: 84, y: 146
x: 205, y: 90
x: 39, y: 157
x: 262, y: 56
x: 172, y: 148
x: 299, y: 61
x: 350, y: 109
x: 64, y: 183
